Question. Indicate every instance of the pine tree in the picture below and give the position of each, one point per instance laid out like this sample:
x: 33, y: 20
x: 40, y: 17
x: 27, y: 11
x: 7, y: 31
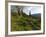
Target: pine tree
x: 30, y: 13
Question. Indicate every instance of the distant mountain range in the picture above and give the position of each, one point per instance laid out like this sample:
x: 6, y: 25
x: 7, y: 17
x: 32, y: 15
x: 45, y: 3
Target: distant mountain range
x: 37, y: 15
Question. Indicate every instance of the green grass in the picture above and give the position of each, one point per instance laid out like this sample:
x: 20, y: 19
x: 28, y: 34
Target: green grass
x: 25, y: 23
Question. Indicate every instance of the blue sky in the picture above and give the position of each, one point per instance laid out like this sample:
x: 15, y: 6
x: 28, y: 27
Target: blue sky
x: 32, y: 9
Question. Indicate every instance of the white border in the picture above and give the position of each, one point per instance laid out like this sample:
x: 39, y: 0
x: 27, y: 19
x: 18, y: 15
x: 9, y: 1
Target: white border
x: 23, y: 32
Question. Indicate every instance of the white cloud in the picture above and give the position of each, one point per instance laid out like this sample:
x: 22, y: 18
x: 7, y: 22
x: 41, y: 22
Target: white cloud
x: 34, y: 10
